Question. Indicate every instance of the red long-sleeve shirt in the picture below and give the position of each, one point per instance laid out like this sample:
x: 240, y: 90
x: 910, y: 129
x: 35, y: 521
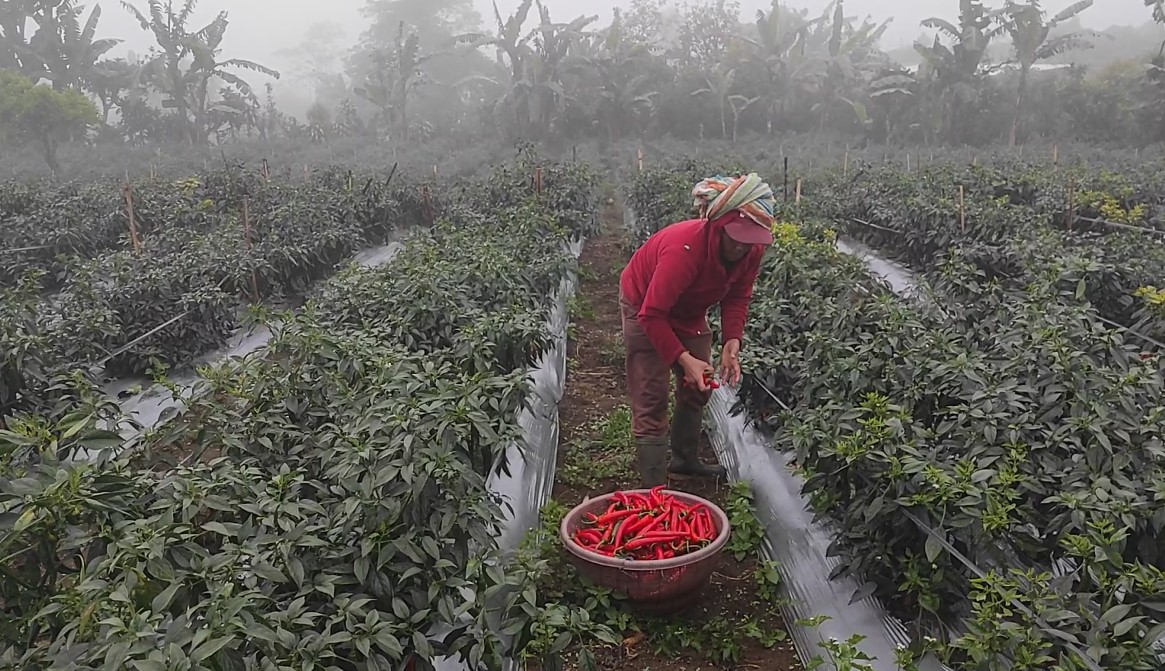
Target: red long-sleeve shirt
x: 677, y: 275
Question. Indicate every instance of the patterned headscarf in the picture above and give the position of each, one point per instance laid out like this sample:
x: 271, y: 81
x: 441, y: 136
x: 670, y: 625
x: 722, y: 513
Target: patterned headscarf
x: 719, y: 195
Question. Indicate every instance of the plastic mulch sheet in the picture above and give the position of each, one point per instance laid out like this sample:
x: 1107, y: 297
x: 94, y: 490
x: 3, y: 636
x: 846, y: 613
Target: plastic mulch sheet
x: 146, y: 408
x: 795, y: 540
x: 528, y: 485
x: 800, y: 545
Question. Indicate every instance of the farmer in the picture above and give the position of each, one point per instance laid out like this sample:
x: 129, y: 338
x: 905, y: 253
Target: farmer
x: 665, y: 293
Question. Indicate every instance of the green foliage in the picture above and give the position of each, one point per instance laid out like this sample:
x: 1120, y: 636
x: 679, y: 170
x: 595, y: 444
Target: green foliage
x: 1005, y: 415
x: 209, y: 244
x: 37, y: 113
x: 331, y: 505
x: 609, y: 455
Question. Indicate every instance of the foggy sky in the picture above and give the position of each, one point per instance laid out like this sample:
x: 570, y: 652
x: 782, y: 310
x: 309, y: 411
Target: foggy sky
x: 259, y: 29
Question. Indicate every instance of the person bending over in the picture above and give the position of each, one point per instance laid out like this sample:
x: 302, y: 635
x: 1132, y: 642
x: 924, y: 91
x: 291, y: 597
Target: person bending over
x: 665, y: 293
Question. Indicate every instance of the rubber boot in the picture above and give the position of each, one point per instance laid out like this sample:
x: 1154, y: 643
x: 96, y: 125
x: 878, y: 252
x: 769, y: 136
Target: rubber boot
x: 652, y: 454
x: 685, y: 447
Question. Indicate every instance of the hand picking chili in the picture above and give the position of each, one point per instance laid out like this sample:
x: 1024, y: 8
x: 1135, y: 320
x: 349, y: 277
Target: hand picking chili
x: 647, y: 526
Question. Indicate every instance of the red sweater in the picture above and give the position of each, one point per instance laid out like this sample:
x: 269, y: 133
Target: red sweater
x: 677, y: 275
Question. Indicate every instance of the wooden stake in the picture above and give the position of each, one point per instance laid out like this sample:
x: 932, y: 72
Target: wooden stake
x: 845, y: 165
x: 538, y: 179
x: 639, y: 156
x: 1055, y: 154
x: 306, y: 173
x: 1071, y: 204
x: 247, y: 239
x: 962, y: 210
x: 133, y: 226
x: 786, y: 179
x: 907, y: 161
x: 434, y: 171
x: 797, y: 197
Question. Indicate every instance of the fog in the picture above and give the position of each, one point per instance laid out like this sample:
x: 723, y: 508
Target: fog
x: 262, y: 29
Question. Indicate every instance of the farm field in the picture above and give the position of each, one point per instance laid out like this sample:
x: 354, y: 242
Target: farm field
x: 1012, y: 416
x: 98, y: 291
x: 1009, y: 418
x: 356, y: 448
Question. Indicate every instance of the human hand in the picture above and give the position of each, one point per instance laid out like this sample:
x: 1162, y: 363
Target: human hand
x: 730, y: 363
x: 697, y: 373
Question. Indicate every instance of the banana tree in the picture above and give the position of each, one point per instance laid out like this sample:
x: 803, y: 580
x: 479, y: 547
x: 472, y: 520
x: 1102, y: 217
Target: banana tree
x: 72, y: 59
x: 951, y: 73
x: 396, y: 74
x: 781, y: 46
x: 530, y: 65
x: 849, y: 66
x: 1158, y: 9
x: 1030, y: 36
x: 719, y: 88
x: 622, y: 84
x: 187, y: 63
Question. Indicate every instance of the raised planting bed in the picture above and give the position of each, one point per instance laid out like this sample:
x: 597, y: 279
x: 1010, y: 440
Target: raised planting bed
x: 332, y: 505
x: 1014, y: 223
x: 206, y: 246
x: 1004, y: 431
x: 992, y: 433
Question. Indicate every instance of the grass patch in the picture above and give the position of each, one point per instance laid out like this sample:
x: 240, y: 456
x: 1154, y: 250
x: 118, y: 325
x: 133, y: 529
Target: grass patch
x: 607, y: 453
x: 580, y: 308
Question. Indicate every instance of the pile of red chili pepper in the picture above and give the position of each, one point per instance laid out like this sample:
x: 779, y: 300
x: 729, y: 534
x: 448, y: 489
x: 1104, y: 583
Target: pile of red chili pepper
x: 647, y: 526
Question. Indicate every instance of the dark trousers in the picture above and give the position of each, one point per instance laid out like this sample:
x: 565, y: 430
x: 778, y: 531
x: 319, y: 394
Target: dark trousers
x: 648, y: 377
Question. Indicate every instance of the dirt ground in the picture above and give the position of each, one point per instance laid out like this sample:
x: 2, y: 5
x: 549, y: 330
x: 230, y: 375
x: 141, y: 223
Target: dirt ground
x: 592, y: 460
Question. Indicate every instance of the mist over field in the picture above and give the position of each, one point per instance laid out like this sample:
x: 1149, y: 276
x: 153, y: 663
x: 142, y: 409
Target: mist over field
x: 316, y: 350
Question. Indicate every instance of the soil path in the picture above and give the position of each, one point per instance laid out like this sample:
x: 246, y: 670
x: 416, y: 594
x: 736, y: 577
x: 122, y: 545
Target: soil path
x: 736, y: 625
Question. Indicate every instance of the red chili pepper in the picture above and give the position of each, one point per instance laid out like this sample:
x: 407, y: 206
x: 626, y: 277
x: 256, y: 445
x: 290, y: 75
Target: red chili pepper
x: 659, y: 552
x: 644, y: 541
x: 588, y: 537
x: 609, y: 517
x: 619, y: 531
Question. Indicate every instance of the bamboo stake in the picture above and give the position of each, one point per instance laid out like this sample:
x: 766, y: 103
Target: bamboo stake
x: 845, y: 165
x: 306, y: 174
x: 962, y: 210
x: 247, y: 239
x: 907, y: 161
x: 133, y: 226
x: 639, y: 156
x: 797, y: 198
x: 1055, y: 154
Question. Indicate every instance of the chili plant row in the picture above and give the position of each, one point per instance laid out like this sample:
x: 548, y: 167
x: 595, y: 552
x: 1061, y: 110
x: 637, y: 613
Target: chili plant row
x: 209, y: 245
x: 1007, y: 420
x: 1022, y: 432
x: 323, y: 505
x: 1012, y: 231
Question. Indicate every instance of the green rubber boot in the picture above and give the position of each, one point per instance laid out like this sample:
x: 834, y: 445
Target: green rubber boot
x: 652, y: 456
x: 685, y: 447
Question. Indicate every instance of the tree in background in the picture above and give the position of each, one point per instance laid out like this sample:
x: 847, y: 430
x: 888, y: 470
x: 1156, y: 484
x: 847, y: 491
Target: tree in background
x: 186, y: 64
x: 1030, y: 38
x: 36, y: 113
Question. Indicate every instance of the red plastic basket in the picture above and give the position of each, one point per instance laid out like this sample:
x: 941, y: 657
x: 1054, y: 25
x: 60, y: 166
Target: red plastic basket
x: 660, y: 586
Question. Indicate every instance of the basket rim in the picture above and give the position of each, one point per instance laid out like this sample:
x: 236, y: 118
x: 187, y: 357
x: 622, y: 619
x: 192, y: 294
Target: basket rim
x: 706, y: 552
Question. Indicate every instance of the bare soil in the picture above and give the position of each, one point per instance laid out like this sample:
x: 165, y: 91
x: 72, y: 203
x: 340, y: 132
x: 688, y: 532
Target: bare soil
x: 595, y: 389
